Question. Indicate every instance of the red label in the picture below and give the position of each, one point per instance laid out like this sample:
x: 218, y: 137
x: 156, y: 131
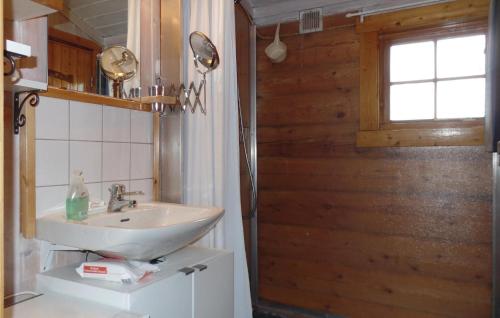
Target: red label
x: 95, y: 269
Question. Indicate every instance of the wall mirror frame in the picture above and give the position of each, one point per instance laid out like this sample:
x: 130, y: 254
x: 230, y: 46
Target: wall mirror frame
x: 154, y: 18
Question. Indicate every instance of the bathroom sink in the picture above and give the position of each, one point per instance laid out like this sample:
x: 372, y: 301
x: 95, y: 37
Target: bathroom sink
x: 145, y: 232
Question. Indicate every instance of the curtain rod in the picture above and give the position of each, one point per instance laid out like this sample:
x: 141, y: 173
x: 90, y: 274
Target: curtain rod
x: 422, y: 3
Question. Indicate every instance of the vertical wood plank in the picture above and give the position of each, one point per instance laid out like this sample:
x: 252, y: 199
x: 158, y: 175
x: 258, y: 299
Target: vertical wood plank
x: 27, y: 173
x: 2, y: 155
x: 369, y: 90
x: 150, y: 56
x: 55, y: 59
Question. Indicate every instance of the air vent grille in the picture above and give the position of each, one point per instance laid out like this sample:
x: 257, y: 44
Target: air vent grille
x: 311, y: 20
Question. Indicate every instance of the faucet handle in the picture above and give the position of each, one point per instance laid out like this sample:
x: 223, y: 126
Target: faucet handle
x: 117, y: 189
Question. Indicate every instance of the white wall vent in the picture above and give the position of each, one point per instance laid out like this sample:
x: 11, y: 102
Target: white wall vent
x: 311, y: 20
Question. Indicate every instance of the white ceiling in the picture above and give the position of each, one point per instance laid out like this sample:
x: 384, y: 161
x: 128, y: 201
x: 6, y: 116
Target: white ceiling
x: 265, y: 12
x: 103, y: 20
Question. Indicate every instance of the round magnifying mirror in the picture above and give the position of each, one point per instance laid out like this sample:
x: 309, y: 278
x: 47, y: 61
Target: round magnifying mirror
x: 204, y: 50
x: 118, y: 64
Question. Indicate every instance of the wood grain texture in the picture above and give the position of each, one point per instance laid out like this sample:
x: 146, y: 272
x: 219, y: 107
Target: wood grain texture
x: 374, y: 76
x: 463, y: 136
x: 2, y: 167
x: 95, y: 99
x: 368, y: 86
x: 449, y: 12
x: 72, y: 61
x: 54, y: 4
x: 362, y: 232
x: 27, y: 159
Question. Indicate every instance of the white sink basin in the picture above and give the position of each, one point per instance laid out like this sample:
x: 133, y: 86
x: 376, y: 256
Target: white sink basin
x: 146, y: 232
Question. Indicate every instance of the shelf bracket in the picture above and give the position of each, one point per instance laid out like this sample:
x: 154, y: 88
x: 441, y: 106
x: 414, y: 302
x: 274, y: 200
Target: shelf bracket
x: 10, y: 57
x: 19, y: 118
x: 12, y: 63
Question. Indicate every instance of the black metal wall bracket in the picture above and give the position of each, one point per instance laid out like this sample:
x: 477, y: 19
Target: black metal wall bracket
x: 9, y: 56
x: 19, y: 117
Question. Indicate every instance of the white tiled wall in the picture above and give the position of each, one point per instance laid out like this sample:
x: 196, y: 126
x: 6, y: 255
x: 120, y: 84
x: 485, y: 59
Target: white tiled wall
x: 110, y: 145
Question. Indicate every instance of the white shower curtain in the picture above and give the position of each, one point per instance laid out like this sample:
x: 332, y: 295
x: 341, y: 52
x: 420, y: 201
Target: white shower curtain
x: 211, y: 144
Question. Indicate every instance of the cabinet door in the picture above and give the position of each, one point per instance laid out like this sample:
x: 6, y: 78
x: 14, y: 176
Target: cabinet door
x: 213, y: 289
x: 172, y: 297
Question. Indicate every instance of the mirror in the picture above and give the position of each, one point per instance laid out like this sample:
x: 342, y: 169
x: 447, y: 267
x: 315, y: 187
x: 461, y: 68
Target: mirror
x: 119, y: 64
x: 79, y: 34
x: 204, y: 51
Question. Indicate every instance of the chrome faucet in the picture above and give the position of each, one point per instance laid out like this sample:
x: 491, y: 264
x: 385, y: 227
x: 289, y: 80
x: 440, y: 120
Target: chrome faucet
x: 116, y: 202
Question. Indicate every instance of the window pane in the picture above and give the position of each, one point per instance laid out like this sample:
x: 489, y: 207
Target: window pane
x: 413, y: 61
x: 462, y: 56
x: 461, y: 98
x: 412, y: 101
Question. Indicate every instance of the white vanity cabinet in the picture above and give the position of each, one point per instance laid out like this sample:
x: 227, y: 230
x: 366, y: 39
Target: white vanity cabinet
x: 193, y: 283
x: 212, y: 290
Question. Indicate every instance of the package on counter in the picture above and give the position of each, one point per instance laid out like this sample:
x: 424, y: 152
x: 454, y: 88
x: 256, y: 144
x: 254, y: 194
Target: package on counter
x: 114, y: 270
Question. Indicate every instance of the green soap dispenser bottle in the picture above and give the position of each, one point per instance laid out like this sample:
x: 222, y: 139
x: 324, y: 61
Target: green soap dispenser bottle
x: 77, y: 200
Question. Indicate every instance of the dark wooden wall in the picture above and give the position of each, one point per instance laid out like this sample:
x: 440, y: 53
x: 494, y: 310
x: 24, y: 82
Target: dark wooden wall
x: 384, y: 232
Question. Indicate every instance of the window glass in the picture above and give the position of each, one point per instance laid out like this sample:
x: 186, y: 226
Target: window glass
x: 438, y: 79
x: 412, y: 101
x: 413, y: 61
x: 459, y: 57
x: 461, y: 98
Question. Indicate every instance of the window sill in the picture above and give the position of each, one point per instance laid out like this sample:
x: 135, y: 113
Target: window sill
x: 421, y: 137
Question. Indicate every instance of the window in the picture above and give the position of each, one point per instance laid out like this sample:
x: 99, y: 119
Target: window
x: 422, y: 76
x: 437, y: 79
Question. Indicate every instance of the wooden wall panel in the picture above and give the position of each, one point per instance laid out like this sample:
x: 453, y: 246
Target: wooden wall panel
x: 382, y: 232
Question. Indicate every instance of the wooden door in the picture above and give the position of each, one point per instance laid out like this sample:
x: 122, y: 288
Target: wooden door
x: 72, y: 62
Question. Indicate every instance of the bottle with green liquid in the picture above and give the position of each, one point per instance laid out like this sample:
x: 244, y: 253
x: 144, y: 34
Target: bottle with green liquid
x: 77, y: 200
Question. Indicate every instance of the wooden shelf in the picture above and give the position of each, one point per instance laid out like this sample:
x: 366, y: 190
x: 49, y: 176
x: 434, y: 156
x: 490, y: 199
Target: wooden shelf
x: 170, y: 100
x: 96, y: 99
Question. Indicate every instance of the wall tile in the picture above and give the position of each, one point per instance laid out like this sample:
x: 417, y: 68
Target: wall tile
x: 141, y: 127
x: 86, y: 156
x: 107, y: 185
x: 52, y: 162
x: 116, y: 161
x: 52, y: 119
x: 142, y: 163
x: 116, y: 124
x: 50, y: 197
x: 146, y: 186
x: 85, y: 121
x: 95, y: 191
